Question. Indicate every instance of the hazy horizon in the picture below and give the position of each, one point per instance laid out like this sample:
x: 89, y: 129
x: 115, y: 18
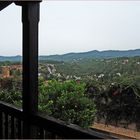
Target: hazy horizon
x: 70, y: 52
x: 75, y: 26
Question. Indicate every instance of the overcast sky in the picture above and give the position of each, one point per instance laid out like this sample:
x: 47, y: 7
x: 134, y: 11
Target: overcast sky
x: 69, y: 26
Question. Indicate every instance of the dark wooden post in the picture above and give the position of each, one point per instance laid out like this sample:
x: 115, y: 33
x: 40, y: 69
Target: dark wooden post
x: 30, y: 19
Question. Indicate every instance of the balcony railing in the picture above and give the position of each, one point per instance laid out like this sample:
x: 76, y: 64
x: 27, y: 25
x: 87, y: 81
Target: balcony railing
x: 13, y: 122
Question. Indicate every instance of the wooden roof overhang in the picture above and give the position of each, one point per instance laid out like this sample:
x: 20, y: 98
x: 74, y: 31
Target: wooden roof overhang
x: 4, y: 4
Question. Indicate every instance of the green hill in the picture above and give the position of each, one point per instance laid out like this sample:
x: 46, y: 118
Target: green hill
x: 84, y: 55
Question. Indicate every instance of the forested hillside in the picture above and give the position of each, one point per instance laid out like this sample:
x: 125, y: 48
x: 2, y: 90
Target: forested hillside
x: 82, y: 91
x: 96, y: 68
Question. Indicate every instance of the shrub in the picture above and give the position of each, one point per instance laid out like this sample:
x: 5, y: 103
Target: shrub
x: 67, y: 101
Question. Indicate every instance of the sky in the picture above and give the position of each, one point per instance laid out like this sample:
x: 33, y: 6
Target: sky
x: 75, y: 26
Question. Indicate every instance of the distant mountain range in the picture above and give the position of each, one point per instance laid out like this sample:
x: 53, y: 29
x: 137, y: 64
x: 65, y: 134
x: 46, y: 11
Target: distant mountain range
x: 84, y: 55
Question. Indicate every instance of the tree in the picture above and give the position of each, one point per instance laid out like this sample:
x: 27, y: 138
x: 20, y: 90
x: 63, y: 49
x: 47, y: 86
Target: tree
x: 67, y: 101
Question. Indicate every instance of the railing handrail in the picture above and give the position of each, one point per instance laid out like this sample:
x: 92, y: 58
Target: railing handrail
x: 67, y: 130
x: 53, y: 125
x: 11, y: 110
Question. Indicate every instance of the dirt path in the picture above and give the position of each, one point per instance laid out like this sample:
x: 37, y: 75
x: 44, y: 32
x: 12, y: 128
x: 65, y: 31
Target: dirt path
x: 118, y: 131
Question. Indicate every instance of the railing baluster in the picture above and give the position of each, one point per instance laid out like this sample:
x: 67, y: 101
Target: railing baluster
x: 19, y: 129
x: 45, y: 134
x: 1, y: 125
x: 6, y: 126
x: 41, y: 133
x: 12, y: 127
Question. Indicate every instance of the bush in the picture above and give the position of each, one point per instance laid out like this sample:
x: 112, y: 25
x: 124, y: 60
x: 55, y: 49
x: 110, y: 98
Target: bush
x: 67, y: 101
x: 64, y: 100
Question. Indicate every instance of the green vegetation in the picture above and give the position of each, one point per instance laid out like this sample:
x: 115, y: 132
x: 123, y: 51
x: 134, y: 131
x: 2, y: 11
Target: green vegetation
x: 108, y: 67
x: 9, y: 63
x: 120, y: 101
x: 10, y: 91
x: 67, y: 101
x: 81, y: 90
